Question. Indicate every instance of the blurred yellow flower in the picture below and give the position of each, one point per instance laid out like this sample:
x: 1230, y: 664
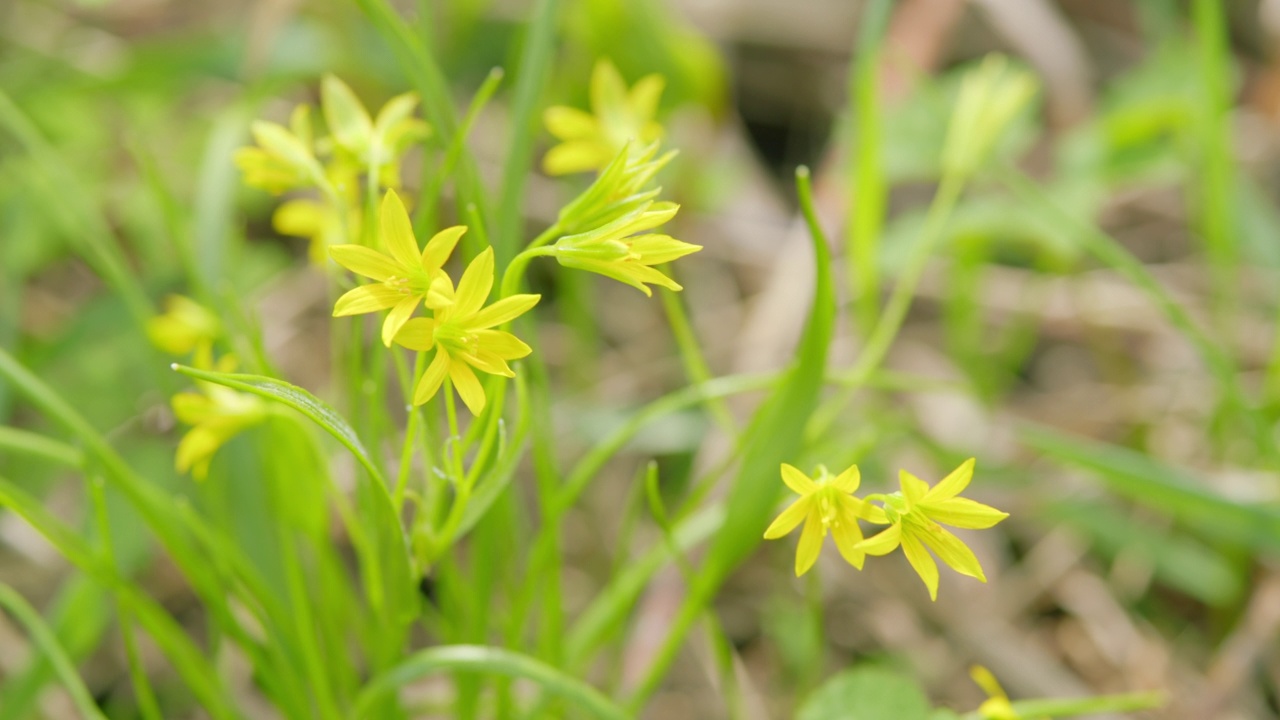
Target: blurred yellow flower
x: 618, y: 116
x: 997, y: 705
x: 825, y: 504
x: 403, y: 278
x: 616, y: 251
x: 373, y: 145
x: 185, y: 327
x: 619, y: 190
x: 216, y: 414
x: 914, y: 514
x: 320, y: 222
x: 462, y: 335
x: 284, y: 158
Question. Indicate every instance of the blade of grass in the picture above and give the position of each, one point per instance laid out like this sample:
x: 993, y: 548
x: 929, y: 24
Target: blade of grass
x: 774, y: 436
x: 44, y: 639
x: 490, y: 661
x: 25, y: 442
x: 531, y: 79
x: 868, y: 193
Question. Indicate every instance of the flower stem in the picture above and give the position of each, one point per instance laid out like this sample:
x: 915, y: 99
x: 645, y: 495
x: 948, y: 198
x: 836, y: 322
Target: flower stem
x: 515, y: 270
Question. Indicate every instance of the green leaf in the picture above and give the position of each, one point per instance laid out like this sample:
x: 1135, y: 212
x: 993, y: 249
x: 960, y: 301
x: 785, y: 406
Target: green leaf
x: 1148, y: 482
x: 491, y: 661
x: 866, y: 694
x: 295, y: 397
x: 45, y: 640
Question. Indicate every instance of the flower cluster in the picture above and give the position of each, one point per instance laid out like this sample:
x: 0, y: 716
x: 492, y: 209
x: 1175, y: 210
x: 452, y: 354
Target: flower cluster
x: 606, y: 229
x: 293, y: 158
x: 461, y: 327
x: 915, y: 516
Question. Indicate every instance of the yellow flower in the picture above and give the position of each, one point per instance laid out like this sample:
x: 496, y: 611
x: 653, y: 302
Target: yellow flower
x: 403, y: 278
x: 283, y: 158
x: 216, y: 414
x: 317, y: 221
x: 914, y: 514
x: 185, y: 327
x: 462, y: 335
x: 366, y: 142
x: 997, y: 705
x: 825, y: 504
x: 590, y: 140
x: 616, y: 251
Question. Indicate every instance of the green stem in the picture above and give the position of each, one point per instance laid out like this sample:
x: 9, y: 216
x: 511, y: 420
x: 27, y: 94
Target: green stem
x: 695, y: 364
x: 515, y: 270
x: 44, y: 639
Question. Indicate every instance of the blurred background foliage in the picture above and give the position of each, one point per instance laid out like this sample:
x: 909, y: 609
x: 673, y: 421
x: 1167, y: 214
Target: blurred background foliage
x: 1135, y: 450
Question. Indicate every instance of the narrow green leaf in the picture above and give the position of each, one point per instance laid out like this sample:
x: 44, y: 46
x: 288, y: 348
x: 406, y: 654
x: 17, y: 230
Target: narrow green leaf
x: 44, y: 639
x: 489, y: 661
x: 1147, y: 482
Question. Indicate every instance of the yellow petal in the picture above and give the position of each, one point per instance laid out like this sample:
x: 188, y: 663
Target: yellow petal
x: 788, y: 519
x: 810, y: 543
x: 474, y: 287
x: 432, y: 378
x: 913, y: 488
x: 576, y: 156
x: 487, y: 362
x: 440, y: 294
x: 963, y: 513
x: 847, y: 535
x: 397, y: 109
x: 644, y: 97
x: 882, y: 543
x: 191, y: 408
x: 799, y: 483
x: 922, y: 562
x: 953, y: 484
x: 398, y: 316
x: 608, y: 89
x: 417, y: 334
x: 196, y: 449
x: 873, y: 513
x: 568, y: 123
x: 952, y: 551
x: 468, y: 386
x: 397, y: 231
x: 440, y: 246
x: 366, y: 261
x: 503, y: 311
x: 849, y: 480
x: 365, y: 299
x: 658, y: 249
x: 346, y: 117
x: 502, y: 344
x: 299, y: 218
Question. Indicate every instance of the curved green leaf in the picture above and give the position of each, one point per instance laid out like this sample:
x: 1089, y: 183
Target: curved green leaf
x: 44, y: 639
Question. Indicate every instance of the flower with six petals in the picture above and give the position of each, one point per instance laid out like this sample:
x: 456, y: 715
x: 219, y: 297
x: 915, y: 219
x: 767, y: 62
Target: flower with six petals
x: 618, y: 115
x: 404, y: 277
x: 914, y: 515
x: 462, y: 334
x: 826, y: 503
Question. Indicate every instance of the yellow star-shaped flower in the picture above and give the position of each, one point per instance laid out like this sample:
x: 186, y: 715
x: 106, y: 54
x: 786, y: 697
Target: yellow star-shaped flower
x: 461, y: 334
x: 825, y: 504
x: 403, y: 278
x: 618, y: 115
x: 914, y: 515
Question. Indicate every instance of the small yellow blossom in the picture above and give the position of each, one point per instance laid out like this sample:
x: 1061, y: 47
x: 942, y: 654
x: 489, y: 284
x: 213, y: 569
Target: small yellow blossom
x: 367, y: 143
x: 216, y: 414
x: 825, y: 504
x: 461, y: 334
x: 997, y: 705
x: 914, y: 514
x: 284, y: 158
x: 618, y: 115
x: 320, y: 222
x: 185, y: 327
x: 618, y: 191
x: 404, y: 277
x: 616, y: 251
